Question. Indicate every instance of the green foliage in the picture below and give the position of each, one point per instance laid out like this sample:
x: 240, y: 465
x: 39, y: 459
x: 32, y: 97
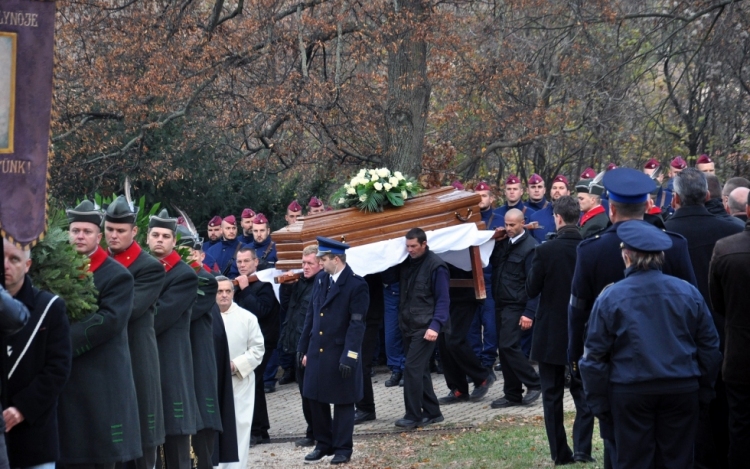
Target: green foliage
x: 372, y: 189
x: 58, y: 268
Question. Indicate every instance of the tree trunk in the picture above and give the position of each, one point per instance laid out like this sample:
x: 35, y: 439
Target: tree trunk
x: 408, y: 90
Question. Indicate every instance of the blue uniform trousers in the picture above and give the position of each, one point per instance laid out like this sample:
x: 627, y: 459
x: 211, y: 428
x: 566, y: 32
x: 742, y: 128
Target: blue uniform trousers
x: 394, y: 345
x: 333, y: 436
x: 482, y: 334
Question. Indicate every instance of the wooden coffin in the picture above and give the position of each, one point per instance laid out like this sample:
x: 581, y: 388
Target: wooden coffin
x: 431, y: 210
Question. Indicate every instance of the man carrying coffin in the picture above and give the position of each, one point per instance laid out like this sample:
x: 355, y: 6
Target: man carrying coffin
x: 98, y: 410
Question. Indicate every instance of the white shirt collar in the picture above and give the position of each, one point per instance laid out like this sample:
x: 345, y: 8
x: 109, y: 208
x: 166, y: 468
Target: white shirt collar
x: 335, y: 276
x: 513, y: 240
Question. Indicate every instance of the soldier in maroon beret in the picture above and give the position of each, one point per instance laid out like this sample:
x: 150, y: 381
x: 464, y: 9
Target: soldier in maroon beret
x: 457, y: 185
x: 315, y: 206
x: 293, y: 211
x: 705, y: 164
x: 513, y: 195
x: 214, y: 233
x: 545, y: 218
x: 611, y: 166
x: 536, y: 193
x: 246, y: 222
x: 588, y: 173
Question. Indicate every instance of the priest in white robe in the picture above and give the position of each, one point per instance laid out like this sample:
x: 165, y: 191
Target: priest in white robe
x: 246, y: 352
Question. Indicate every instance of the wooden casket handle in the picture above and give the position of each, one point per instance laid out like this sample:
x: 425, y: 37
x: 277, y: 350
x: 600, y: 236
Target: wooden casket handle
x: 467, y: 217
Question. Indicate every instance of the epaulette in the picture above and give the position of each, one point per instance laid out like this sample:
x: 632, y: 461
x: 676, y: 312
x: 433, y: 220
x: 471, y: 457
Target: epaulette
x: 589, y: 240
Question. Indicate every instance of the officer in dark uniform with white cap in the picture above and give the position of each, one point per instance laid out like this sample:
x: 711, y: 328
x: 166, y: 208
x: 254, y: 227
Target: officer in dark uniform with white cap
x: 599, y: 263
x: 652, y: 353
x: 330, y: 348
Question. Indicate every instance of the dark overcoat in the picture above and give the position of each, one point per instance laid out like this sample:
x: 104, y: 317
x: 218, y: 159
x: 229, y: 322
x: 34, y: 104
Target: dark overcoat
x: 332, y: 335
x: 728, y: 277
x: 599, y: 263
x: 38, y: 379
x: 594, y: 225
x: 148, y: 275
x: 223, y: 253
x: 551, y: 274
x: 98, y: 411
x: 172, y: 326
x: 225, y: 443
x: 204, y: 355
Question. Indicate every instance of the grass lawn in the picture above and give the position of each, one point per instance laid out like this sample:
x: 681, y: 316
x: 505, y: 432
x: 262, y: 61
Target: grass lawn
x: 503, y: 443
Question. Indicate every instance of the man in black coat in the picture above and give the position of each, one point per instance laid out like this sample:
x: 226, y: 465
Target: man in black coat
x: 365, y: 408
x: 148, y: 274
x: 295, y: 299
x: 259, y: 299
x: 330, y: 348
x: 511, y: 262
x: 37, y: 373
x: 98, y: 410
x: 551, y: 274
x: 172, y: 327
x: 702, y: 230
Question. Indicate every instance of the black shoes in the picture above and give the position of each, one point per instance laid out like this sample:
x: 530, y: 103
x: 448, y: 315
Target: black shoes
x: 429, y: 420
x: 480, y: 391
x: 531, y: 396
x: 583, y: 457
x: 498, y: 367
x: 407, y: 423
x: 304, y: 442
x: 361, y: 416
x: 256, y: 440
x: 454, y: 397
x: 287, y: 378
x: 503, y: 402
x: 269, y: 388
x: 393, y: 380
x: 340, y: 459
x: 316, y: 455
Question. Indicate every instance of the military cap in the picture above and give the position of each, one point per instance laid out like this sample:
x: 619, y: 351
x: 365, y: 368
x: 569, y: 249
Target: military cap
x: 704, y: 159
x: 162, y: 220
x: 628, y: 186
x: 315, y: 202
x: 85, y: 211
x: 230, y: 219
x: 678, y: 163
x: 588, y: 186
x: 247, y: 213
x: 260, y: 219
x: 535, y: 179
x: 651, y: 164
x: 560, y: 178
x: 294, y: 206
x: 482, y: 186
x: 119, y: 211
x: 588, y: 173
x: 329, y: 246
x: 512, y: 179
x: 639, y: 235
x: 188, y: 239
x: 215, y: 221
x: 457, y: 185
x: 611, y: 166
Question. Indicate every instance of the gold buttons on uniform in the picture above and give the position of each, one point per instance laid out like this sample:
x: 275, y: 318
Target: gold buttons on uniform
x: 321, y: 350
x: 321, y: 315
x: 321, y: 332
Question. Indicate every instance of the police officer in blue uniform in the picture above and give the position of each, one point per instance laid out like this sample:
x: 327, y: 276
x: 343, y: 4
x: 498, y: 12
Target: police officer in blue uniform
x: 652, y: 353
x: 330, y: 348
x: 599, y: 263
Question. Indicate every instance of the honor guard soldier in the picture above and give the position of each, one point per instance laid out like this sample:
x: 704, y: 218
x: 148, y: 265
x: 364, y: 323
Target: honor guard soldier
x: 264, y: 246
x: 120, y: 230
x: 705, y: 164
x: 293, y: 211
x: 172, y: 326
x: 594, y: 217
x: 545, y: 218
x: 652, y: 354
x: 330, y: 349
x: 315, y: 206
x: 599, y: 263
x: 536, y: 193
x: 246, y: 223
x: 513, y: 196
x: 588, y: 173
x: 98, y: 410
x: 223, y: 252
x: 611, y: 166
x: 665, y: 198
x: 214, y: 233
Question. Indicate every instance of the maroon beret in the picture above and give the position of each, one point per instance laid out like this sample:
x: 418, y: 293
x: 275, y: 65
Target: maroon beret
x: 260, y: 219
x: 457, y: 185
x: 704, y: 159
x: 651, y: 164
x: 482, y: 186
x: 678, y: 163
x: 560, y: 178
x: 230, y: 219
x: 314, y: 202
x: 611, y: 166
x: 247, y: 213
x: 215, y: 221
x: 588, y: 173
x: 512, y: 179
x: 535, y: 179
x: 294, y: 206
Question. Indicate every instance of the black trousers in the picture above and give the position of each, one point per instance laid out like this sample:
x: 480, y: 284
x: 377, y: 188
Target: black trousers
x: 261, y: 425
x: 419, y: 396
x: 738, y: 398
x: 654, y: 430
x: 147, y: 461
x: 176, y: 453
x: 516, y: 367
x: 299, y: 372
x: 68, y: 466
x: 459, y: 359
x: 369, y: 344
x: 203, y: 447
x: 552, y: 378
x: 333, y: 436
x: 712, y: 438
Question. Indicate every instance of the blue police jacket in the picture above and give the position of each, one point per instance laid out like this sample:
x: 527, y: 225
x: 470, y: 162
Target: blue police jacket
x: 546, y: 219
x: 536, y: 206
x: 649, y: 333
x: 503, y: 209
x: 223, y: 253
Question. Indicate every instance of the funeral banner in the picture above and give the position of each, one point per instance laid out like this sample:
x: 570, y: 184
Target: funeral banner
x: 26, y: 57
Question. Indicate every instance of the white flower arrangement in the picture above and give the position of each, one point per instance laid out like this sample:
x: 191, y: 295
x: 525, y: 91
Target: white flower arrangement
x: 372, y: 189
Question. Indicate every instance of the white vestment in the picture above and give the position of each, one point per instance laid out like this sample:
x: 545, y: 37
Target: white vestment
x: 246, y: 352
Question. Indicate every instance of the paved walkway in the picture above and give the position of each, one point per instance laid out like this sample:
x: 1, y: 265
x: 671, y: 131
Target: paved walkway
x: 287, y: 421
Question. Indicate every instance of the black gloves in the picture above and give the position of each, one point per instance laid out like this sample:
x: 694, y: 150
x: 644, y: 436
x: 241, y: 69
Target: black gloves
x: 345, y: 370
x: 300, y: 356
